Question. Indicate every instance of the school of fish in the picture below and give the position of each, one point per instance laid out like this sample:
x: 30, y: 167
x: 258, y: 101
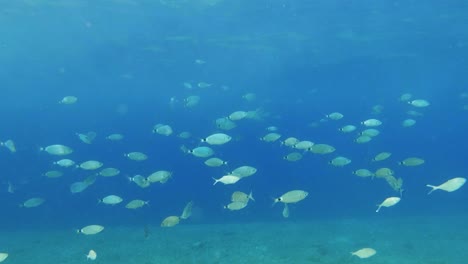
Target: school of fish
x: 208, y: 150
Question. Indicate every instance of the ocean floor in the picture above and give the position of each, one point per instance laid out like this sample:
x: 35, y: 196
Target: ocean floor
x: 405, y: 240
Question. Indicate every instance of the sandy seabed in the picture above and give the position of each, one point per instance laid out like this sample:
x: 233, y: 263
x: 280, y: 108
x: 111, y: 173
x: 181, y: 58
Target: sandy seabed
x: 405, y: 240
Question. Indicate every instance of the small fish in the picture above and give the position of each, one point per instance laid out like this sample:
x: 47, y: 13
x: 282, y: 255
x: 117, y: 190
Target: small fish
x: 390, y: 201
x: 78, y: 187
x: 161, y: 176
x: 90, y: 230
x: 270, y: 137
x: 88, y: 137
x: 364, y: 253
x: 227, y: 179
x: 65, y: 163
x: 136, y: 156
x: 413, y: 161
x: 91, y: 255
x: 377, y: 109
x: 370, y: 132
x: 363, y: 173
x: 115, y: 137
x: 53, y: 174
x: 322, y: 149
x: 32, y: 202
x: 382, y: 156
x: 91, y: 165
x: 347, y: 128
x: 340, y: 161
x: 57, y: 149
x: 272, y: 128
x: 292, y: 196
x: 67, y: 100
x: 405, y: 97
x: 140, y: 181
x: 304, y: 145
x: 225, y: 123
x: 294, y: 156
x: 290, y: 142
x: 187, y: 212
x: 237, y: 115
x: 419, y: 103
x: 204, y: 84
x: 215, y: 162
x: 371, y: 122
x: 238, y: 196
x: 383, y: 172
x: 170, y: 221
x: 235, y: 206
x: 449, y: 186
x: 244, y: 171
x: 217, y: 139
x: 362, y: 139
x: 335, y: 116
x: 200, y: 152
x: 109, y: 172
x: 164, y: 130
x: 191, y: 101
x: 135, y: 204
x: 111, y: 200
x: 408, y: 122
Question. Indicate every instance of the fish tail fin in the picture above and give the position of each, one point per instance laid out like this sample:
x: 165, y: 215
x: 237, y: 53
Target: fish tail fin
x: 433, y: 188
x: 378, y: 208
x: 275, y: 200
x: 184, y: 149
x: 216, y: 181
x: 251, y: 196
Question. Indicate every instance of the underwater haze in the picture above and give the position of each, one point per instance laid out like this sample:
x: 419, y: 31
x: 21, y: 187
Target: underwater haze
x: 222, y: 131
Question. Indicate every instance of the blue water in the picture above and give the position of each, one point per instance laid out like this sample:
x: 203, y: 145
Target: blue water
x: 126, y: 60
